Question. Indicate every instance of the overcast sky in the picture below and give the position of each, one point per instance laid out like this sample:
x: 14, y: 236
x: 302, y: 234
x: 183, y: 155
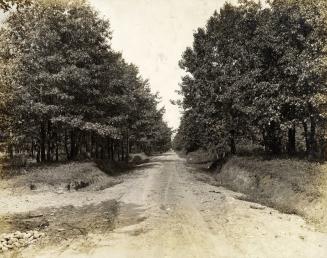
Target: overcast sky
x: 153, y: 34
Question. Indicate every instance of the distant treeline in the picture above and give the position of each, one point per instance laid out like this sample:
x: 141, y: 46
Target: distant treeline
x: 257, y: 74
x: 65, y: 94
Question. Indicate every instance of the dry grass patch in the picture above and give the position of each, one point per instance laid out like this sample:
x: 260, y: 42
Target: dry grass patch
x: 291, y: 186
x: 64, y: 177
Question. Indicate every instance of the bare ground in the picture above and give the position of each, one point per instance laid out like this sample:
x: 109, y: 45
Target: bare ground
x: 162, y: 209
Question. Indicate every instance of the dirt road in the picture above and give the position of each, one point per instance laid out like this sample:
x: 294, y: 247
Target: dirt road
x: 166, y: 211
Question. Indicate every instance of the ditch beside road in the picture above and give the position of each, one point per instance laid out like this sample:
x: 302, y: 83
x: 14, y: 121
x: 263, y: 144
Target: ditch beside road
x: 166, y: 209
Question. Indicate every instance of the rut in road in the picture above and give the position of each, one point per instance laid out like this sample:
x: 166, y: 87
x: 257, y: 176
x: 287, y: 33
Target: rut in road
x: 167, y: 212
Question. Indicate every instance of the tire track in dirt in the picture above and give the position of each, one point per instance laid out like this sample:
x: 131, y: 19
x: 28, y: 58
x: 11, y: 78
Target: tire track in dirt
x: 166, y: 212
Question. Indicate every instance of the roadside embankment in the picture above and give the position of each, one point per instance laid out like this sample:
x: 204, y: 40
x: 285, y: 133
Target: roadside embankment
x: 84, y: 175
x: 200, y: 159
x: 60, y: 202
x: 290, y: 186
x: 58, y: 178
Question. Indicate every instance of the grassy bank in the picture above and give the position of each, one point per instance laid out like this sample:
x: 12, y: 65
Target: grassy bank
x: 71, y: 176
x: 291, y: 186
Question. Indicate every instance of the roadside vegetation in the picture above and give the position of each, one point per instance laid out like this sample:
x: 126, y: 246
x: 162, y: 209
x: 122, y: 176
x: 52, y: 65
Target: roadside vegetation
x: 66, y: 94
x: 75, y: 117
x: 257, y: 74
x: 255, y: 87
x: 291, y: 186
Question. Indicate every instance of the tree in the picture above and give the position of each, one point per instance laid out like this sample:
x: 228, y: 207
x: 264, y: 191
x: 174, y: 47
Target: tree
x: 216, y: 64
x: 66, y: 89
x: 258, y: 69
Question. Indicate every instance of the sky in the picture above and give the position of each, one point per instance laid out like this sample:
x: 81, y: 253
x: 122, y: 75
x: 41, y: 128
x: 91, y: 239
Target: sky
x: 153, y: 35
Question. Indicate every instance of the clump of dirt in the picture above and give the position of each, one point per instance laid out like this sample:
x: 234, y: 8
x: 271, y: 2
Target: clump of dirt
x: 64, y: 223
x: 139, y: 158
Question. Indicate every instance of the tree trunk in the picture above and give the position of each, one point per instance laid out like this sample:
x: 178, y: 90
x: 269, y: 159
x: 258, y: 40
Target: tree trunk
x: 10, y: 151
x: 38, y: 155
x: 57, y: 152
x: 57, y: 145
x: 49, y: 142
x: 108, y: 149
x: 87, y: 144
x: 96, y: 148
x: 66, y: 145
x: 118, y: 149
x: 122, y: 149
x: 42, y: 142
x: 127, y: 147
x: 102, y: 149
x: 92, y: 145
x: 291, y: 148
x: 112, y: 149
x: 273, y: 139
x: 232, y: 142
x: 72, y: 144
x: 306, y: 137
x: 32, y: 149
x: 78, y: 143
x: 312, y: 138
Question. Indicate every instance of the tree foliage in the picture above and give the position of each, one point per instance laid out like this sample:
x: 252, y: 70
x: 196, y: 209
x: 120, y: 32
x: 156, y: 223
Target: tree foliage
x: 65, y: 90
x: 258, y: 73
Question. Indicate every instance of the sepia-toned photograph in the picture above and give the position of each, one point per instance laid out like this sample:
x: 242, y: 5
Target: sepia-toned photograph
x: 163, y: 128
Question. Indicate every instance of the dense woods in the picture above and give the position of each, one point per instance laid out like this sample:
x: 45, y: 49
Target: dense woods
x: 66, y: 94
x: 256, y: 74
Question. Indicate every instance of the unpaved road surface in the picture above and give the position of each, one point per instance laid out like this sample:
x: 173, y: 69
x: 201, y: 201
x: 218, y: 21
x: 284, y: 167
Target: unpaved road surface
x: 166, y: 211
